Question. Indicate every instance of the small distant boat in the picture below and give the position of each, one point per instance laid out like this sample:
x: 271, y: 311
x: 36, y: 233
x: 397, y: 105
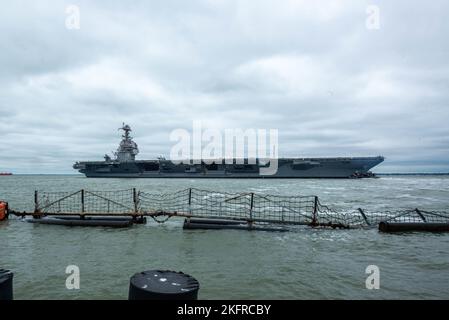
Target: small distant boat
x: 5, y: 174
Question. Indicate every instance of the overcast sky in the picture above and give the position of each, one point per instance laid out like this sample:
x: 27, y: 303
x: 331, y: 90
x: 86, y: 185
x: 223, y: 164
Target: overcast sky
x: 311, y: 69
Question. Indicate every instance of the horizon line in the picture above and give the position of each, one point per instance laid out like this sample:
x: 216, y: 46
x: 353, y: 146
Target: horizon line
x: 80, y: 174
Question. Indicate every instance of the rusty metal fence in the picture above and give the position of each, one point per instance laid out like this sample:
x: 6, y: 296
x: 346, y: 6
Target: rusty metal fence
x: 247, y: 206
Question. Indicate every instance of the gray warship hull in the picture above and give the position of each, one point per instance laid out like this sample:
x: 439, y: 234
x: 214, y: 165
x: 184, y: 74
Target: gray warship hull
x: 125, y: 165
x: 287, y: 168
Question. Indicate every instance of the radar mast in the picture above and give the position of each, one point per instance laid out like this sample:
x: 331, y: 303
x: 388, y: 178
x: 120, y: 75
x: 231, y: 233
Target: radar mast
x: 127, y: 149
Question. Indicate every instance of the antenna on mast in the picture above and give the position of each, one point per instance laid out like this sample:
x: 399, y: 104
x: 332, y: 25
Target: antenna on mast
x: 127, y: 149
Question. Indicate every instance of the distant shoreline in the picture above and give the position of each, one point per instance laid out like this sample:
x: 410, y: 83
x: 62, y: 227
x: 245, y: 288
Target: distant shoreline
x: 377, y: 174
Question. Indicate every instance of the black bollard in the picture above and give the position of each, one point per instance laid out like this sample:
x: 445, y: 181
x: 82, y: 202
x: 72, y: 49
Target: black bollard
x: 6, y: 284
x: 163, y: 285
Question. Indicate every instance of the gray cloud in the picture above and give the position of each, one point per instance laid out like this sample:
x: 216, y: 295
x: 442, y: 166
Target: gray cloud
x: 308, y: 68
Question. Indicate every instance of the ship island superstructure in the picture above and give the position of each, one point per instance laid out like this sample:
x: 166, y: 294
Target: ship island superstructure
x: 123, y: 164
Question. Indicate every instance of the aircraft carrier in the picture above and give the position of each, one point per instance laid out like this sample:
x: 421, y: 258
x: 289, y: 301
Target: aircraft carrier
x: 124, y: 165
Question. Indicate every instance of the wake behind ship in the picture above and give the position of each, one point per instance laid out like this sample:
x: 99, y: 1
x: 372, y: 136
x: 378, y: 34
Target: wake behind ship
x: 125, y: 165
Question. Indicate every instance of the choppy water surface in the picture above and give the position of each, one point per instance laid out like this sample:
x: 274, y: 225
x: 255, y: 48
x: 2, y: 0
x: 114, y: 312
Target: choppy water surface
x: 230, y: 264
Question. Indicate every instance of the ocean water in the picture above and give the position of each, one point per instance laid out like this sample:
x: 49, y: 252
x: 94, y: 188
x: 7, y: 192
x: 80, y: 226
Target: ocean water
x: 232, y: 264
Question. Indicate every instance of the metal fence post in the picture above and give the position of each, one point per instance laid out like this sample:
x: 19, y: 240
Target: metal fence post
x: 190, y: 201
x: 315, y: 211
x: 420, y: 215
x: 135, y: 201
x: 36, y: 202
x: 364, y: 216
x: 251, y: 208
x: 82, y: 200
